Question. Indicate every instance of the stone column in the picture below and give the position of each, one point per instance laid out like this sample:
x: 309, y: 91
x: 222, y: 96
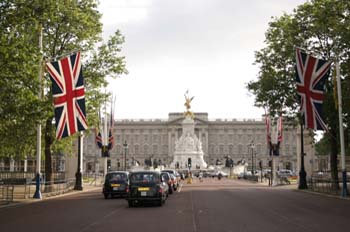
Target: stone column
x: 2, y: 165
x: 97, y: 167
x: 25, y: 168
x: 12, y: 165
x: 170, y: 144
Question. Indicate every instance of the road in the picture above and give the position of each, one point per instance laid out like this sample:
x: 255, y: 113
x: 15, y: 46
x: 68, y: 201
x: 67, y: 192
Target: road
x: 211, y: 205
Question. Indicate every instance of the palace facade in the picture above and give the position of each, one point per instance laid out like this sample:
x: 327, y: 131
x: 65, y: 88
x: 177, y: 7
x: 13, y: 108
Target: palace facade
x: 155, y: 139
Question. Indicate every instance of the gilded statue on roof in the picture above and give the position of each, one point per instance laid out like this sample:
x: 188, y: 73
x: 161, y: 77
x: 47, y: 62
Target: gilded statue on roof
x: 187, y: 104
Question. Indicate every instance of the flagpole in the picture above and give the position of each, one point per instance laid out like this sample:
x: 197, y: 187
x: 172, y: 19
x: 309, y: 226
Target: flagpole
x: 274, y: 141
x: 37, y: 194
x: 341, y: 130
x: 302, y: 173
x: 78, y: 174
x: 105, y: 141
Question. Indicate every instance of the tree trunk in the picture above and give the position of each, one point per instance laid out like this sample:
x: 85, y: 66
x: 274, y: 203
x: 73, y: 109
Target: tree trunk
x: 334, y: 160
x: 48, y: 155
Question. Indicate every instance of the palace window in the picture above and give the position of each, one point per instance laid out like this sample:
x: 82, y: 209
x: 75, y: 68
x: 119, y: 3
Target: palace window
x: 221, y: 149
x: 137, y: 149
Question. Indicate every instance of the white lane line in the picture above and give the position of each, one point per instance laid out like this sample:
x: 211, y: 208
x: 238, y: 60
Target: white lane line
x: 193, y: 215
x: 89, y: 227
x: 179, y: 190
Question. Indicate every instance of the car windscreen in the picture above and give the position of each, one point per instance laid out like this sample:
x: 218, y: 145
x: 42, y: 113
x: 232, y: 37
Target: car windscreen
x: 166, y: 176
x: 116, y: 177
x: 175, y: 173
x: 144, y: 178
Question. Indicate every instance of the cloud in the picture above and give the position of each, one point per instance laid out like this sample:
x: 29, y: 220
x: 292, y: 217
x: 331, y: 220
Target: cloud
x: 204, y: 45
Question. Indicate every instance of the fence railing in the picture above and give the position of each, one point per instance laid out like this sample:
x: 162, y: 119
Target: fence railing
x: 21, y: 178
x: 93, y: 179
x: 11, y: 192
x: 6, y: 194
x: 327, y: 186
x: 22, y: 185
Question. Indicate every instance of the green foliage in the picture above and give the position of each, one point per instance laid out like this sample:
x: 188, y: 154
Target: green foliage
x: 20, y: 109
x: 67, y: 26
x: 323, y: 147
x: 102, y: 62
x: 322, y: 27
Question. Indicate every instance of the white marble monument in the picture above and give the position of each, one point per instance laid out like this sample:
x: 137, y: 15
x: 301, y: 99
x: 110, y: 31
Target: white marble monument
x: 188, y: 145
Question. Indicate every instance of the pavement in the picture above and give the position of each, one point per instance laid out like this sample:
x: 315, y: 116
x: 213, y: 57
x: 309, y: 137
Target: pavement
x: 212, y: 205
x: 195, y: 183
x: 16, y: 202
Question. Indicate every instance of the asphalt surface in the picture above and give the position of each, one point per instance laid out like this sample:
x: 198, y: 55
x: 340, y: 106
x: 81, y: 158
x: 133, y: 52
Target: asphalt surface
x: 211, y: 205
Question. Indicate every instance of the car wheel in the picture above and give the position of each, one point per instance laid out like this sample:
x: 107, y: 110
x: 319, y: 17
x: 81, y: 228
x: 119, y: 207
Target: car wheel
x: 106, y: 195
x: 130, y: 203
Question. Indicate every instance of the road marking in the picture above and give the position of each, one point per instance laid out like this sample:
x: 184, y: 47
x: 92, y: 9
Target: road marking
x: 193, y: 215
x: 179, y: 190
x: 100, y: 220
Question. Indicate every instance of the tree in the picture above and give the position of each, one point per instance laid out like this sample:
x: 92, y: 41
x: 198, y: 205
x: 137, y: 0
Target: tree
x: 67, y: 26
x: 20, y: 109
x: 322, y: 28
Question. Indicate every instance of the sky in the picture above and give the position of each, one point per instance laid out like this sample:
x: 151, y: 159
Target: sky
x: 203, y: 46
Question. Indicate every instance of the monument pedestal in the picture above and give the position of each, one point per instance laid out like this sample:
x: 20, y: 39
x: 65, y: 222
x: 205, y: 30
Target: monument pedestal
x: 188, y: 146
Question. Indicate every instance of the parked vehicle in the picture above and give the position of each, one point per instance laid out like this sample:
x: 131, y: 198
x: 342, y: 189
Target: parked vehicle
x: 221, y: 173
x: 285, y: 173
x: 209, y: 173
x: 116, y: 184
x: 145, y: 186
x: 287, y: 176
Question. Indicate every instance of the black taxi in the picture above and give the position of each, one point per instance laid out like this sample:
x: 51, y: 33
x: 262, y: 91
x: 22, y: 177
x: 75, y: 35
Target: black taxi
x: 116, y: 184
x: 146, y: 186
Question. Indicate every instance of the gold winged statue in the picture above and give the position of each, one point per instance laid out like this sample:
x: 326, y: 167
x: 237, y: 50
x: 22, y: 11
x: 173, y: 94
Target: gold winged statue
x: 188, y: 105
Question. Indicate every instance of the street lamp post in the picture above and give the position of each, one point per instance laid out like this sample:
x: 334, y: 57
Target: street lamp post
x: 302, y: 172
x: 252, y: 147
x: 78, y: 174
x: 125, y: 151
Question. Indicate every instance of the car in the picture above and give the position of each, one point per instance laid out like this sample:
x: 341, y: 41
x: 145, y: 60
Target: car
x: 167, y: 179
x: 216, y: 174
x: 285, y: 173
x: 146, y: 186
x: 208, y: 173
x: 286, y: 176
x: 116, y: 184
x: 174, y: 172
x: 240, y: 175
x: 174, y: 182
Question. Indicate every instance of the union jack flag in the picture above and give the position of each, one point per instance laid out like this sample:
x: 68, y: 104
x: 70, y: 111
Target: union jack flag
x: 98, y: 136
x: 69, y: 95
x: 110, y: 139
x: 98, y: 139
x: 111, y: 125
x: 311, y: 74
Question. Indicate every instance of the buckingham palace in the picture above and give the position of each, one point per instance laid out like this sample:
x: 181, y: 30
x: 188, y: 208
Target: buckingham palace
x: 241, y: 139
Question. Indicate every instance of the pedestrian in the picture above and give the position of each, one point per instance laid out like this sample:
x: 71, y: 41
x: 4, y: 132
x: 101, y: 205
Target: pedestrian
x: 219, y: 175
x: 200, y: 176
